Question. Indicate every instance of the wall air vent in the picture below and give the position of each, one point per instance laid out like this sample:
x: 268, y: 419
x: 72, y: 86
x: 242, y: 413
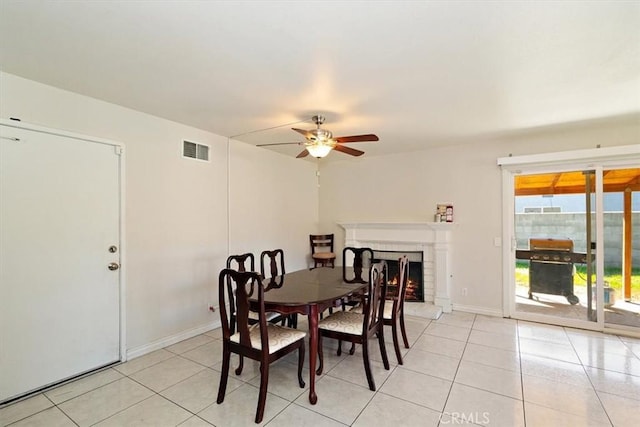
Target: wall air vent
x: 196, y: 151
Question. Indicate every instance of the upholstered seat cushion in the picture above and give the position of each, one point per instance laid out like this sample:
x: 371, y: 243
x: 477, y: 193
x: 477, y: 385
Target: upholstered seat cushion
x: 348, y: 322
x: 357, y: 309
x: 279, y: 336
x: 324, y: 255
x: 388, y: 309
x: 271, y: 315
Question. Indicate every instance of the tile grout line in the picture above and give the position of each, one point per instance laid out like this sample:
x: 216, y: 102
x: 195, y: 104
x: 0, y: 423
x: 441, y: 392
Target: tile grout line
x: 524, y: 406
x: 589, y: 378
x: 386, y: 379
x: 453, y: 380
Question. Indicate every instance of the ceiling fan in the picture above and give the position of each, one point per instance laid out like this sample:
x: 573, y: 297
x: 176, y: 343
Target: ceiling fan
x: 320, y: 142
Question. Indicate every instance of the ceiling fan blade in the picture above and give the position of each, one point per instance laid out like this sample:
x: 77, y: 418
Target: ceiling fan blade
x: 357, y: 138
x: 348, y: 150
x: 303, y: 132
x: 278, y: 143
x: 305, y: 153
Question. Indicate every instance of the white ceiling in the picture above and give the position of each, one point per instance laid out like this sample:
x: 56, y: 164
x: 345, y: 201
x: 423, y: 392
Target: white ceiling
x: 416, y: 73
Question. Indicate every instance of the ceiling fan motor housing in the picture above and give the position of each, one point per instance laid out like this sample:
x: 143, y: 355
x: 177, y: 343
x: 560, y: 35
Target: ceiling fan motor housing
x: 320, y: 135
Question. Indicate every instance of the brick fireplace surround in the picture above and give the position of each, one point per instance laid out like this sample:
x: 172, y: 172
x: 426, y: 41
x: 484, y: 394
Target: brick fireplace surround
x: 432, y: 238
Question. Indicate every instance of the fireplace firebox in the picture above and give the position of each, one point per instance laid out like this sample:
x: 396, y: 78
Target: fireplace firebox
x: 415, y: 285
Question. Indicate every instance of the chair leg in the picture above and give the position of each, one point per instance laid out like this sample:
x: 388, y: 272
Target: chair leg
x: 404, y: 330
x: 300, y: 365
x: 232, y: 325
x: 367, y: 366
x: 240, y: 365
x: 224, y: 375
x: 293, y: 321
x: 396, y: 345
x: 339, y: 348
x: 353, y: 348
x: 262, y: 397
x: 320, y: 356
x: 383, y: 349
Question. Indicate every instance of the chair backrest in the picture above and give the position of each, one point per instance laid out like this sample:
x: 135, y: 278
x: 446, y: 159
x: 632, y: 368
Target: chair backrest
x: 360, y: 259
x: 242, y: 285
x: 397, y: 293
x: 274, y: 260
x: 373, y: 308
x: 323, y: 241
x: 240, y: 261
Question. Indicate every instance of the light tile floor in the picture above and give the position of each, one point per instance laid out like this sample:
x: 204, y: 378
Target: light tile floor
x: 620, y: 313
x: 460, y: 369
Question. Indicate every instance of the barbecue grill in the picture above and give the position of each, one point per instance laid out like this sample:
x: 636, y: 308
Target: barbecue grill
x: 551, y: 267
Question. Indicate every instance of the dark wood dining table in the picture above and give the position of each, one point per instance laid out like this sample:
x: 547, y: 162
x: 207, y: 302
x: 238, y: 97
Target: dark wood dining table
x: 309, y: 292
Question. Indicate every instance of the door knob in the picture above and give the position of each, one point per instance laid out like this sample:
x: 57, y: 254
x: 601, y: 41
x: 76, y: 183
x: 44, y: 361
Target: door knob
x: 113, y: 266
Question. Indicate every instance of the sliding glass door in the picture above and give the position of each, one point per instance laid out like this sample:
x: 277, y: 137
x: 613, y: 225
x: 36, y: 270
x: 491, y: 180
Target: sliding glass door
x: 555, y: 234
x: 621, y: 248
x: 574, y: 257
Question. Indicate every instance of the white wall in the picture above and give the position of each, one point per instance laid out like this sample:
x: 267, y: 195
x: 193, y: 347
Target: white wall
x: 407, y: 187
x: 177, y: 209
x: 274, y: 204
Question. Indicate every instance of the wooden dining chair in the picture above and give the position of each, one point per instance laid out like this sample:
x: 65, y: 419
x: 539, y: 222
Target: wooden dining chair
x: 355, y: 262
x: 239, y: 263
x: 274, y: 260
x: 322, y: 250
x: 272, y: 268
x: 360, y: 327
x: 359, y: 259
x: 394, y: 307
x: 263, y: 341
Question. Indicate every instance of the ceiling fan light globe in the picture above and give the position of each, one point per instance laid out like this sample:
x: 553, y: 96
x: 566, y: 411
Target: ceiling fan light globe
x: 319, y: 150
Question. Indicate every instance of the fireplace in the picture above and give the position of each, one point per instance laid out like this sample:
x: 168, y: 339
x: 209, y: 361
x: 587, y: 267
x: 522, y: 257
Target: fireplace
x: 432, y: 240
x: 415, y: 285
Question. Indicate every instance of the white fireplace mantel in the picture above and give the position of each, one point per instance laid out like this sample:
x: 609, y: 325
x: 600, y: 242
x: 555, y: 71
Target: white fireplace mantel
x: 432, y: 238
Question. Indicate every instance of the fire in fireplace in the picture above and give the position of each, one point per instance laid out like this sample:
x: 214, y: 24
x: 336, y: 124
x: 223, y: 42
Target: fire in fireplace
x: 415, y: 287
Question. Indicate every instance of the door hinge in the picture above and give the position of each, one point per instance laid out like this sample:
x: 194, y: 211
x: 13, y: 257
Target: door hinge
x: 118, y: 150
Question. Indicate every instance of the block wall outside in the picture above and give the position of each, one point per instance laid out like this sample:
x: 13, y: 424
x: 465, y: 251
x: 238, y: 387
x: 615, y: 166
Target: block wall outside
x: 572, y: 226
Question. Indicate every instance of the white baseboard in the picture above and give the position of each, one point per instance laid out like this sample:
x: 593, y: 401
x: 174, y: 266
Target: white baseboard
x: 477, y: 310
x: 167, y: 341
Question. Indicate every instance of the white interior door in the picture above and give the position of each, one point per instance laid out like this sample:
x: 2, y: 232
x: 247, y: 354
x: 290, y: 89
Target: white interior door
x: 59, y: 216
